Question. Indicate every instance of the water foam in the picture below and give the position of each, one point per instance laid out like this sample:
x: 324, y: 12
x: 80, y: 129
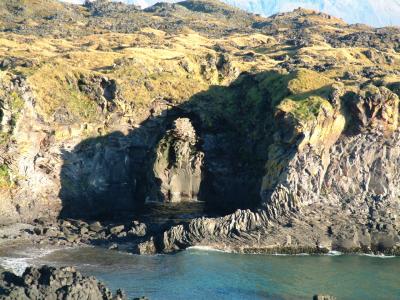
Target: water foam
x: 334, y: 253
x: 21, y: 259
x: 208, y: 248
x: 378, y: 255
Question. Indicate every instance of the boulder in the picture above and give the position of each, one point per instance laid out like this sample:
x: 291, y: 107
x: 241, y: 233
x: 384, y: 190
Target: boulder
x: 138, y: 229
x: 375, y: 107
x: 96, y: 226
x: 146, y: 248
x: 117, y: 229
x: 83, y: 230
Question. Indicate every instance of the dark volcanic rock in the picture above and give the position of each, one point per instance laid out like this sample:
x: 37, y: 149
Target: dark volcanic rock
x: 101, y: 8
x: 53, y: 283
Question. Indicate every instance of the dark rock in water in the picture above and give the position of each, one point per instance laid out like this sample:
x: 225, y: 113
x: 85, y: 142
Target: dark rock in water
x: 138, y: 229
x: 53, y: 283
x: 146, y: 248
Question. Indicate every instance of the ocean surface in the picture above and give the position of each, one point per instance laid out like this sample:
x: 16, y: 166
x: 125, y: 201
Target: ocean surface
x: 206, y: 274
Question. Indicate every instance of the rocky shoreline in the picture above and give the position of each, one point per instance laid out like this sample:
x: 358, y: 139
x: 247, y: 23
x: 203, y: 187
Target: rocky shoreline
x: 247, y: 232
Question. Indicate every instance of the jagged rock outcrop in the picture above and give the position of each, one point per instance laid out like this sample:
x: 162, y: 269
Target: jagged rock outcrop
x: 347, y: 177
x: 100, y: 89
x: 375, y: 107
x: 178, y: 165
x: 243, y: 226
x: 27, y: 158
x: 53, y: 283
x: 102, y: 8
x: 301, y: 171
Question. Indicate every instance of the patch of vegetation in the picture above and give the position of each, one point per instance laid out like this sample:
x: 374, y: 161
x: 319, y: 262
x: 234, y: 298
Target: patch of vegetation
x: 276, y: 83
x: 301, y: 93
x: 143, y: 81
x: 5, y: 180
x: 55, y: 87
x: 281, y: 85
x: 305, y: 109
x: 306, y: 80
x: 80, y: 105
x: 17, y: 104
x: 4, y: 137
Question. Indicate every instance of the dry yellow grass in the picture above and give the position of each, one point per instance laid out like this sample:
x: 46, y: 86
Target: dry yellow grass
x: 151, y: 64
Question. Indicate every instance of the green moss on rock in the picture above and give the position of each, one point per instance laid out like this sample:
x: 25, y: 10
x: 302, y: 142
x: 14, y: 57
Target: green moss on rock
x: 5, y: 180
x: 305, y: 109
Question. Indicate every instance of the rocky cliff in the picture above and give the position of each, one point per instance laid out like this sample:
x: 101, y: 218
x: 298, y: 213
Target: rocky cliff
x: 293, y: 120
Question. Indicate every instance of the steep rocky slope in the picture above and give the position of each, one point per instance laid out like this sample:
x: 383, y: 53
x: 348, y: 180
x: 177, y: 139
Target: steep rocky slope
x: 106, y: 108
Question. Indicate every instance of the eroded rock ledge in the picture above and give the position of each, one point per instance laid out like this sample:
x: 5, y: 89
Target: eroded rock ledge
x: 349, y: 205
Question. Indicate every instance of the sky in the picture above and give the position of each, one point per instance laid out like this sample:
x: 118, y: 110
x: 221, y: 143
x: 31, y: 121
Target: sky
x: 376, y: 13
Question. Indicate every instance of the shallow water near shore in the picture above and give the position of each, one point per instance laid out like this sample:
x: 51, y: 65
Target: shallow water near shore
x: 205, y: 274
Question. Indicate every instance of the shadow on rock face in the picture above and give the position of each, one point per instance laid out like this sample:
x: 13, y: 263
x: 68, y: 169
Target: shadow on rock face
x: 212, y: 148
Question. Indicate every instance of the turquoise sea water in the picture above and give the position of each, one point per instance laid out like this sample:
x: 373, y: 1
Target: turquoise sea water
x: 199, y: 274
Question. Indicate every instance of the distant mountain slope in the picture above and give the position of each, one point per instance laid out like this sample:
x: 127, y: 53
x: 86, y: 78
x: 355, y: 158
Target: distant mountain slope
x: 373, y: 12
